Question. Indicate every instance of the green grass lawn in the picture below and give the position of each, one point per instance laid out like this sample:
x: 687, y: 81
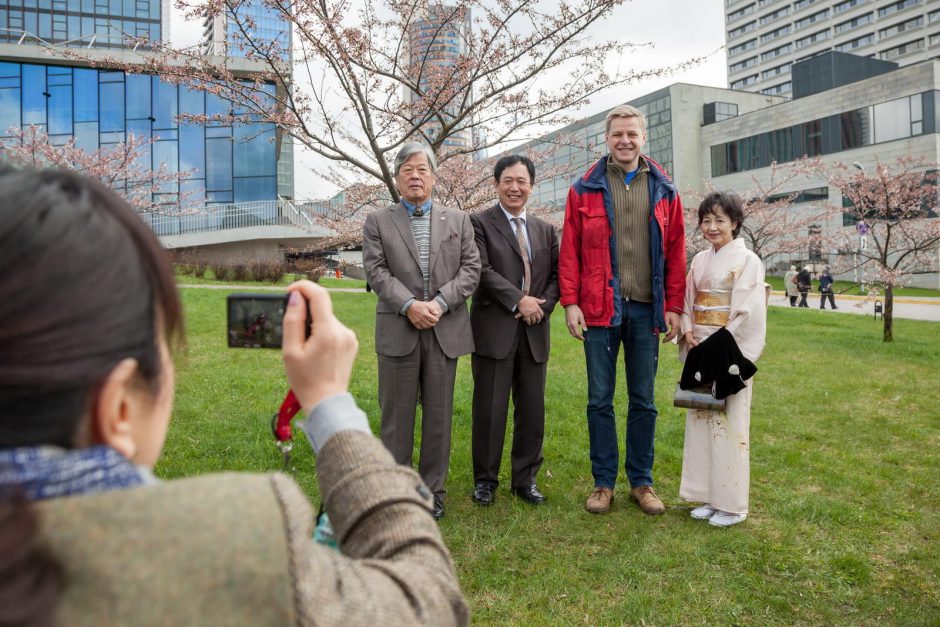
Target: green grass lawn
x: 845, y: 481
x: 188, y: 279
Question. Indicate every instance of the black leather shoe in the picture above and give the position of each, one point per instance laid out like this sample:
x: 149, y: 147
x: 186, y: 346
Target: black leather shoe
x: 483, y: 493
x: 529, y: 493
x: 438, y: 510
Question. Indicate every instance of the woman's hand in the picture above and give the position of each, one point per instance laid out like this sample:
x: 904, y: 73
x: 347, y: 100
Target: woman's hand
x: 317, y: 366
x: 690, y: 339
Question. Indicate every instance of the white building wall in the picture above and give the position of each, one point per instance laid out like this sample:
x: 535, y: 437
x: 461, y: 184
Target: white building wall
x: 905, y: 36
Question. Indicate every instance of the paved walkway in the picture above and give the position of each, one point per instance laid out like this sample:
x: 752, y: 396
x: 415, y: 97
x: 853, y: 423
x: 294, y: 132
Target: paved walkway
x: 912, y: 307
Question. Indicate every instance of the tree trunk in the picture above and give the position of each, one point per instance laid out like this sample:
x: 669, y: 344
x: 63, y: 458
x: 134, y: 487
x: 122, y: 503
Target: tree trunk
x: 888, y: 314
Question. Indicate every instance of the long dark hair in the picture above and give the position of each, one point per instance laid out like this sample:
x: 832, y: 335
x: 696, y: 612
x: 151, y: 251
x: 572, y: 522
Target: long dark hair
x: 81, y: 281
x: 84, y: 283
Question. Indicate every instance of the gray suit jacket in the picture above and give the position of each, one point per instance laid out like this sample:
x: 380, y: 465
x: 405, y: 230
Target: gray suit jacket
x: 393, y: 269
x: 492, y: 316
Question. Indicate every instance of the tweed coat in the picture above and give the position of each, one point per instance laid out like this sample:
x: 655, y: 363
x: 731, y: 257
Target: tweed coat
x: 236, y: 549
x: 393, y: 269
x: 491, y: 315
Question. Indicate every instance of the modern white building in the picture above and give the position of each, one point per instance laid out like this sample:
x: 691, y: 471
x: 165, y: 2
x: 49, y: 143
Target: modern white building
x: 675, y: 116
x: 876, y: 119
x: 765, y: 37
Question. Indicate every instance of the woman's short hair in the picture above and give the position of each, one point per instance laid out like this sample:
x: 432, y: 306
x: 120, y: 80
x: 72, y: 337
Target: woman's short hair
x: 85, y: 284
x: 410, y: 149
x: 730, y: 204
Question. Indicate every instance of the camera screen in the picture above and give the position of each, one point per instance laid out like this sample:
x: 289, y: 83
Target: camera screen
x: 255, y: 320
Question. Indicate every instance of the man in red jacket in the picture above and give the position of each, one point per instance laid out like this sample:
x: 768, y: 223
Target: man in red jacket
x: 621, y: 273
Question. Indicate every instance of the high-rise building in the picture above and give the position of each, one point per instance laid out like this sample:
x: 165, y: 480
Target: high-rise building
x: 263, y: 26
x: 435, y: 42
x: 90, y: 23
x: 766, y: 37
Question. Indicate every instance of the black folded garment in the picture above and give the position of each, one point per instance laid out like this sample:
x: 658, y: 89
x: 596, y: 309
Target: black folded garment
x: 717, y: 360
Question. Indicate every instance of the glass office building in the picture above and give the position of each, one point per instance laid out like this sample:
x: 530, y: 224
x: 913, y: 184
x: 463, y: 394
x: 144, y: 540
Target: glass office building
x: 100, y: 107
x: 263, y: 24
x: 97, y: 23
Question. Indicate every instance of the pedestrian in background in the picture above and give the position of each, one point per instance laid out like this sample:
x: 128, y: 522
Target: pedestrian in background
x: 825, y: 289
x: 789, y: 285
x: 804, y: 281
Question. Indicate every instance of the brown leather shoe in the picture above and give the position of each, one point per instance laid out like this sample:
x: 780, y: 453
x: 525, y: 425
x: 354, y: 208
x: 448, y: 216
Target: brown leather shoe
x: 646, y: 498
x: 599, y: 501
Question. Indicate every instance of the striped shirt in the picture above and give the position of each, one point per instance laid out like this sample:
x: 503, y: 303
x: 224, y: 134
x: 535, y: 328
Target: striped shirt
x: 631, y: 226
x: 421, y: 228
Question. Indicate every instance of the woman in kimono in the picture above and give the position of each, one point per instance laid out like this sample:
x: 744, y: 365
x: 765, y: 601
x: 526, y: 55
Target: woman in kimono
x: 725, y: 288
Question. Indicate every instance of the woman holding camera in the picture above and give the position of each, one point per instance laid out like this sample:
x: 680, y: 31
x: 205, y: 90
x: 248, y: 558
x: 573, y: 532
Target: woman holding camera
x: 88, y: 315
x: 725, y: 289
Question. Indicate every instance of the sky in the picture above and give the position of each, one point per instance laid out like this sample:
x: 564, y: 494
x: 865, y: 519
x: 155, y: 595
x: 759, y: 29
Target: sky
x: 677, y: 29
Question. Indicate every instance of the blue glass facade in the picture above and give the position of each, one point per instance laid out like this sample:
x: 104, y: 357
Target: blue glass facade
x: 267, y: 26
x: 101, y: 107
x: 80, y: 21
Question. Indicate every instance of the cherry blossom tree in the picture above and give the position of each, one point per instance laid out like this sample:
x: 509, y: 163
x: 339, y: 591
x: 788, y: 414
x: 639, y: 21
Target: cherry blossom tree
x: 898, y: 205
x: 461, y: 182
x: 119, y: 166
x: 772, y: 223
x: 464, y: 76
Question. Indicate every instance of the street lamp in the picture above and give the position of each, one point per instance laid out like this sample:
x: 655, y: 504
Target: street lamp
x: 862, y: 229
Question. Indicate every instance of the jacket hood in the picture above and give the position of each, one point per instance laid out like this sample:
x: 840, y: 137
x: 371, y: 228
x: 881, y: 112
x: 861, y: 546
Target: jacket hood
x: 596, y: 176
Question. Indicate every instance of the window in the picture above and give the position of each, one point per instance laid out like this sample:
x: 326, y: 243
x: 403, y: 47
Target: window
x: 773, y: 15
x: 811, y: 19
x: 783, y: 30
x: 897, y: 119
x: 901, y: 27
x: 933, y: 16
x: 725, y: 110
x: 740, y: 30
x: 776, y: 52
x: 848, y: 46
x: 811, y: 39
x: 811, y: 135
x: 744, y: 82
x: 741, y: 65
x: 853, y: 23
x: 897, y: 51
x: 747, y: 45
x: 775, y: 71
x: 736, y: 15
x: 776, y: 90
x: 802, y: 4
x: 845, y: 6
x: 897, y: 6
x: 855, y: 129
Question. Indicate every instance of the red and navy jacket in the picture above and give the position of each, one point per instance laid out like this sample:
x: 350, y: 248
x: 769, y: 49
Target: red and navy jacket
x: 588, y: 275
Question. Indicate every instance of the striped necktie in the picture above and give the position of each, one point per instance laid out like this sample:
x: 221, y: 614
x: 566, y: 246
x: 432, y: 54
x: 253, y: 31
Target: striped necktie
x: 527, y: 281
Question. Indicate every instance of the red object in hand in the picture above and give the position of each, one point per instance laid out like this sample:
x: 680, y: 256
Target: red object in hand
x: 281, y: 425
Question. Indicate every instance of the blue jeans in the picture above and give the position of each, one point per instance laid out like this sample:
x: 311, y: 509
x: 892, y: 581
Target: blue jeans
x: 641, y: 358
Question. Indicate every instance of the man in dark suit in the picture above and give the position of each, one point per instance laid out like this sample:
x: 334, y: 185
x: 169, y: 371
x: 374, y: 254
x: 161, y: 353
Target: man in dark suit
x: 422, y: 263
x: 510, y: 320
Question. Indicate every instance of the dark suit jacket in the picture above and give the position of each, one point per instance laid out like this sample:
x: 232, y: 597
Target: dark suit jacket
x: 492, y: 317
x: 393, y: 270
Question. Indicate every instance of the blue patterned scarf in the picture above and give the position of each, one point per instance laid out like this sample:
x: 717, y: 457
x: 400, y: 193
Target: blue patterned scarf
x: 47, y: 472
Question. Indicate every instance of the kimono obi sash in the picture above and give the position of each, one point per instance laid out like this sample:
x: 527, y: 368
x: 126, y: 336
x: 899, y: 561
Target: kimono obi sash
x: 712, y: 308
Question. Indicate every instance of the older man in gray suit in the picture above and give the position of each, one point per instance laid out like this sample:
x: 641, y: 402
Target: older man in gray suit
x: 421, y: 260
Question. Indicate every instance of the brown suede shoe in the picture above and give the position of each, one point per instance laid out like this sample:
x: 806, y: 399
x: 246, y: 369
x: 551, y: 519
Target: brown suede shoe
x: 646, y: 498
x: 599, y: 501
